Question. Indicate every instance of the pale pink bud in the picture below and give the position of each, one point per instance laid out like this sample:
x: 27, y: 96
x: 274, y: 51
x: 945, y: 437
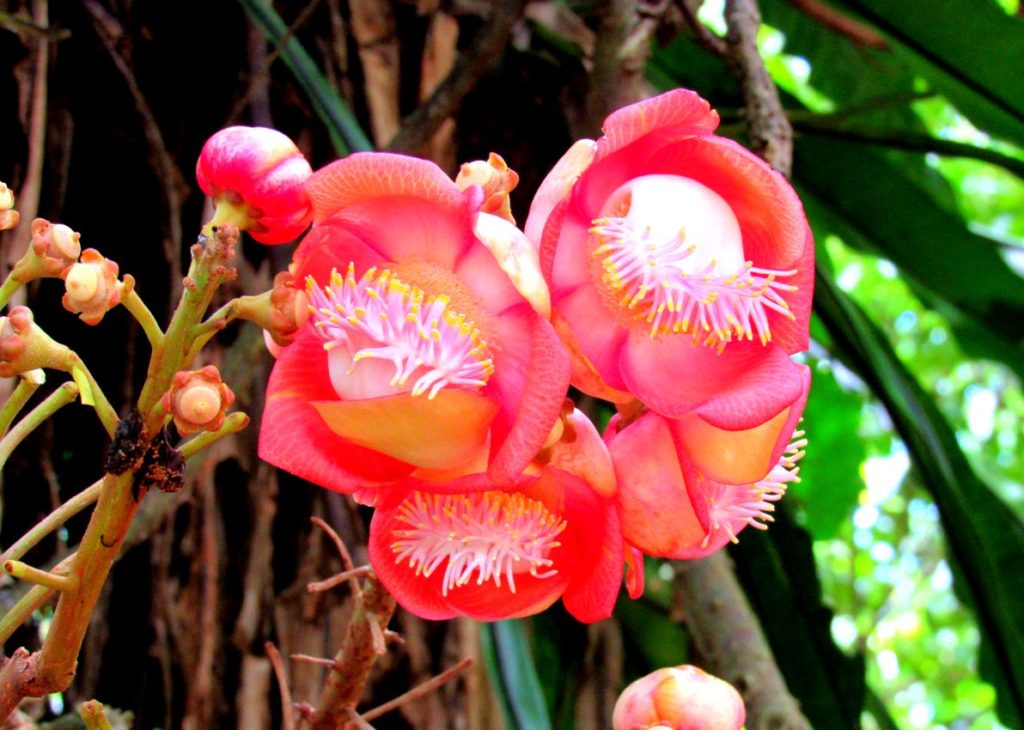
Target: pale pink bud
x: 91, y: 287
x: 8, y: 216
x: 198, y: 400
x: 680, y: 698
x: 497, y: 180
x: 255, y: 176
x: 56, y: 245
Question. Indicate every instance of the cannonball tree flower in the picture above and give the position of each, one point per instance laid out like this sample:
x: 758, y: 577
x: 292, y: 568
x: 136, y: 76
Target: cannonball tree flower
x: 680, y: 266
x: 422, y: 354
x: 255, y: 176
x: 502, y: 553
x: 681, y: 503
x: 679, y: 698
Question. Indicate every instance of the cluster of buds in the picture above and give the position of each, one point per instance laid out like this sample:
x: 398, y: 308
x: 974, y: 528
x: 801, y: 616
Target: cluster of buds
x: 91, y: 287
x: 198, y: 400
x: 8, y: 215
x: 24, y: 346
x: 497, y: 180
x: 680, y: 698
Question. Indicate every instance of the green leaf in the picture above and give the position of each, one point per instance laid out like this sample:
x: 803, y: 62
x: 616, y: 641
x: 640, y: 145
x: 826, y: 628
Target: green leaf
x: 985, y: 538
x: 830, y: 471
x: 346, y: 134
x: 975, y: 64
x: 513, y: 675
x: 869, y: 201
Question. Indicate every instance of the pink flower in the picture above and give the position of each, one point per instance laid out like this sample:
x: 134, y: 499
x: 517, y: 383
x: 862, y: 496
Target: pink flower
x: 679, y: 698
x: 506, y: 553
x: 686, y: 489
x: 680, y: 266
x: 255, y: 176
x: 422, y: 359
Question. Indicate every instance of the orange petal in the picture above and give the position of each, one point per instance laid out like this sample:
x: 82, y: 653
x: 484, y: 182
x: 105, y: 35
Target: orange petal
x: 731, y: 457
x: 441, y: 433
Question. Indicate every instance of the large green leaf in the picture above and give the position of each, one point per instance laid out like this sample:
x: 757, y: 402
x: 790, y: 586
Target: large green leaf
x: 985, y: 538
x: 513, y: 675
x: 969, y: 50
x: 869, y: 201
x: 346, y: 134
x: 778, y: 574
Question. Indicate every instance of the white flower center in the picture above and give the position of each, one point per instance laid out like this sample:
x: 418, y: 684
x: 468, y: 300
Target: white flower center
x: 671, y: 252
x: 490, y: 534
x: 378, y: 325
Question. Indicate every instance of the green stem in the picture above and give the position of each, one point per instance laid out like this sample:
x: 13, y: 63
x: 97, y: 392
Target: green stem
x: 27, y: 385
x: 138, y: 309
x: 95, y: 397
x: 52, y: 521
x: 34, y: 599
x: 204, y: 332
x: 93, y: 715
x: 59, y: 398
x: 234, y: 423
x: 10, y: 286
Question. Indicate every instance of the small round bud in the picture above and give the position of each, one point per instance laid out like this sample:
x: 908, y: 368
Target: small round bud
x: 91, y: 287
x: 56, y: 245
x: 8, y: 216
x: 198, y: 400
x: 496, y: 178
x: 290, y: 309
x: 255, y: 176
x: 681, y: 698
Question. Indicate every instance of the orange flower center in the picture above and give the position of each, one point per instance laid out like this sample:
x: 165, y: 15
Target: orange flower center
x: 670, y: 253
x: 492, y: 535
x: 426, y: 344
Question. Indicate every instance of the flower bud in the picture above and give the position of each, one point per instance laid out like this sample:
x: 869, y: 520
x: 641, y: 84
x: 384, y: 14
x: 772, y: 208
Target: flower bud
x: 56, y: 245
x: 290, y: 309
x: 497, y: 180
x: 255, y: 176
x: 681, y: 698
x: 8, y: 216
x: 198, y: 400
x: 91, y: 287
x: 25, y: 347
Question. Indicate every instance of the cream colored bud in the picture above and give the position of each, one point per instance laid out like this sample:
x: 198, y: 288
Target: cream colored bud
x: 66, y: 241
x: 200, y: 403
x: 6, y: 197
x: 82, y: 282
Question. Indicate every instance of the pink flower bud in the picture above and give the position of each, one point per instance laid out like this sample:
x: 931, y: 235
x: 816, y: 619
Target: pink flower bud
x: 681, y: 698
x: 255, y: 176
x: 198, y: 400
x: 496, y: 178
x: 8, y: 216
x: 290, y: 309
x: 56, y: 245
x: 91, y: 287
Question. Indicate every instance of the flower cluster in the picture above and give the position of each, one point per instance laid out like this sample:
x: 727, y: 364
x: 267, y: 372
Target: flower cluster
x: 662, y: 268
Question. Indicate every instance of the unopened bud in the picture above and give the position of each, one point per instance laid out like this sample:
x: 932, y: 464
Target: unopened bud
x: 198, y: 400
x: 8, y: 216
x: 682, y: 698
x: 56, y: 245
x: 290, y: 309
x: 25, y: 347
x: 91, y: 287
x: 497, y: 180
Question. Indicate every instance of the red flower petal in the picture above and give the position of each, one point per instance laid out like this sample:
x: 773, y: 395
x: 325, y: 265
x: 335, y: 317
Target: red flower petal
x: 295, y: 438
x: 675, y: 114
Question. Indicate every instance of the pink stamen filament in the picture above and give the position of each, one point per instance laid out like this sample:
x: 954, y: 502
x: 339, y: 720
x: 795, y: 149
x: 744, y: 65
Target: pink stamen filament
x: 491, y: 534
x: 413, y: 331
x: 652, y: 278
x: 731, y: 507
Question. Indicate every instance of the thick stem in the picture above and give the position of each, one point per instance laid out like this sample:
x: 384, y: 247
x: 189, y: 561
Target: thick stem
x: 731, y: 642
x: 362, y: 645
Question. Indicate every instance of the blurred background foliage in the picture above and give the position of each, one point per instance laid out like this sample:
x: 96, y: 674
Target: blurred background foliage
x: 890, y: 585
